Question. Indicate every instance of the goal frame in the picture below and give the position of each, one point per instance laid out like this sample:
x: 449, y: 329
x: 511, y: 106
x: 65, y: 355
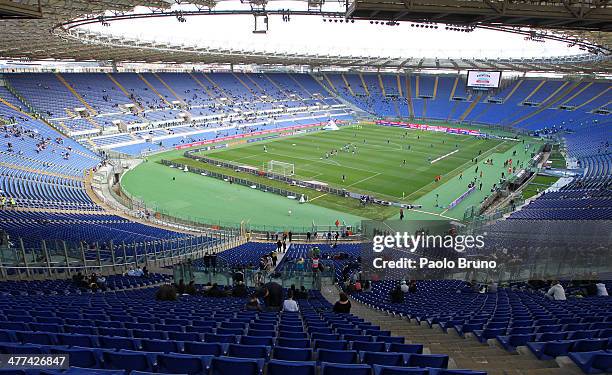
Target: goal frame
x: 288, y: 169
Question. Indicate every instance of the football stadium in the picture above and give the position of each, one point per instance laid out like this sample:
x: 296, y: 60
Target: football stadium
x: 257, y: 187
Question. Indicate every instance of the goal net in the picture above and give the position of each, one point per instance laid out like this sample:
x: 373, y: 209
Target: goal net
x: 280, y: 168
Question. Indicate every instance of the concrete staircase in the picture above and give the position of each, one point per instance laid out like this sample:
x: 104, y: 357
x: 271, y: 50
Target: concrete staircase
x: 465, y: 353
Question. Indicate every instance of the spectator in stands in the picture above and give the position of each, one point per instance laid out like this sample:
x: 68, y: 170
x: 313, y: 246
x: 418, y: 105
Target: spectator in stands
x: 101, y: 282
x: 181, y: 287
x: 601, y: 289
x: 404, y: 286
x: 397, y: 296
x: 253, y: 304
x: 79, y: 279
x: 303, y: 293
x: 272, y: 293
x: 191, y: 288
x: 290, y: 305
x: 145, y: 271
x: 492, y: 287
x: 92, y: 282
x: 239, y: 290
x: 343, y: 305
x: 166, y: 293
x: 215, y: 291
x: 315, y: 264
x: 412, y: 288
x: 556, y: 292
x: 238, y: 277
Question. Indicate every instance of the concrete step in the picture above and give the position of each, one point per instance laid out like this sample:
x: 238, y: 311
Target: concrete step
x: 464, y: 352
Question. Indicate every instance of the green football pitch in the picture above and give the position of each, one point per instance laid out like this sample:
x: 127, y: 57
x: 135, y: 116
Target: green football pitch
x: 388, y: 163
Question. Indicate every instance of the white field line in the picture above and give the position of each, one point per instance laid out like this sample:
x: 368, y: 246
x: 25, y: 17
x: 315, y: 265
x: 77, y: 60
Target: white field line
x: 364, y: 179
x: 444, y: 156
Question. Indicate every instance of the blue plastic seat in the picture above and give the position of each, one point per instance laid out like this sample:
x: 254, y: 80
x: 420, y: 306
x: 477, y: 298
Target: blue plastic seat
x: 291, y: 354
x: 510, y: 343
x: 369, y: 346
x: 398, y: 370
x: 457, y: 372
x: 488, y: 333
x: 290, y: 328
x: 153, y: 335
x: 86, y: 371
x: 129, y: 361
x: 118, y: 332
x: 162, y: 346
x: 344, y: 369
x: 184, y: 336
x: 293, y: 335
x: 248, y: 351
x: 118, y: 343
x: 277, y: 367
x: 337, y: 356
x: 80, y: 357
x: 255, y: 340
x: 331, y: 344
x: 262, y: 327
x: 233, y: 366
x: 325, y: 336
x: 14, y: 348
x: 183, y: 363
x: 550, y: 336
x: 230, y: 331
x: 81, y: 330
x: 36, y: 338
x: 203, y: 348
x: 406, y: 348
x: 391, y: 339
x: 261, y: 333
x: 385, y: 359
x: 605, y: 333
x: 46, y: 327
x: 589, y: 345
x: 578, y: 335
x: 596, y: 362
x: 359, y: 338
x: 76, y: 340
x: 7, y: 336
x: 293, y: 343
x: 549, y: 350
x: 427, y: 360
x: 200, y: 330
x: 228, y: 339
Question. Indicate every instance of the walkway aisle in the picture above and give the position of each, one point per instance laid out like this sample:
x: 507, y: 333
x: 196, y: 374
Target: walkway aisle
x: 280, y: 256
x: 465, y: 353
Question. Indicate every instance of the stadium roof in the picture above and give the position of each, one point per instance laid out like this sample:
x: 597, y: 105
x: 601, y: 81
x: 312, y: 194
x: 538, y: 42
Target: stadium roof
x: 45, y: 35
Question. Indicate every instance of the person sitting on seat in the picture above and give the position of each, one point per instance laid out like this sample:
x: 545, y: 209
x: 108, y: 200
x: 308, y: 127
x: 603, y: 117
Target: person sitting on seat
x: 397, y: 296
x: 290, y: 305
x: 343, y: 305
x: 253, y: 304
x: 101, y: 282
x: 556, y: 292
x: 272, y: 293
x: 239, y: 290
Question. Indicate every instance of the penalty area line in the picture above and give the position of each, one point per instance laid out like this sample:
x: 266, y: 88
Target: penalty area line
x: 444, y: 156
